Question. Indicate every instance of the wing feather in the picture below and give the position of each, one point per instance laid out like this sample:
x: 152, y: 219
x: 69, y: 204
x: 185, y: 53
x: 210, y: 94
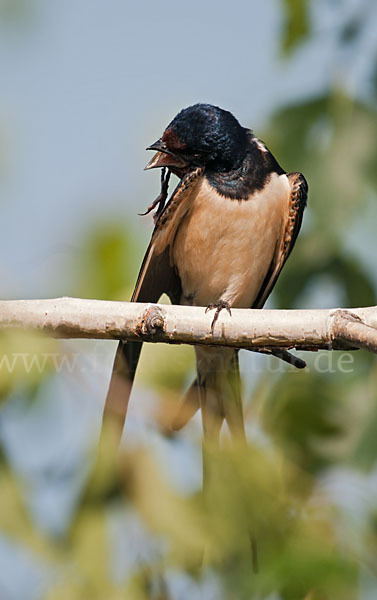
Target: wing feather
x: 297, y: 204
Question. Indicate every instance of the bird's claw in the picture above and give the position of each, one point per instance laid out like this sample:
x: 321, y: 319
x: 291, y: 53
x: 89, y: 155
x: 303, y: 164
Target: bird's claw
x: 161, y: 198
x: 219, y: 306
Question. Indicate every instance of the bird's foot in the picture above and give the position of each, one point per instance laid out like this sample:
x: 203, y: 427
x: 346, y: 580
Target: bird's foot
x: 218, y: 306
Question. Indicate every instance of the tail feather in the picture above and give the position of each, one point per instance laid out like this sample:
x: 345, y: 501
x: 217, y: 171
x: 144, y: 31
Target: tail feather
x: 118, y: 395
x: 220, y: 397
x: 212, y: 420
x: 232, y: 402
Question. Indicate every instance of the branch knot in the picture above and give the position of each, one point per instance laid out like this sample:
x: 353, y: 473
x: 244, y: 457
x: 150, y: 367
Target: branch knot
x: 152, y: 321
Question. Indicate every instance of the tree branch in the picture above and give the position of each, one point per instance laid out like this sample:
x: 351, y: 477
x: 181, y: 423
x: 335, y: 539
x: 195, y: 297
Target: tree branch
x: 262, y: 330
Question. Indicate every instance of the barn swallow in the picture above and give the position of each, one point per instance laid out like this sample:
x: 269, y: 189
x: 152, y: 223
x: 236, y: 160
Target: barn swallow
x: 220, y: 241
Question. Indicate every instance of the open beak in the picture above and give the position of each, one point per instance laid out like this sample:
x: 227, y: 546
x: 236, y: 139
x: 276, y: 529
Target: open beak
x: 164, y: 158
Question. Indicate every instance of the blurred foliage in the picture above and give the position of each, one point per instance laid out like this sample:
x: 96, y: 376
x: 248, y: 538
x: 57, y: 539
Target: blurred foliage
x: 324, y: 404
x: 296, y: 26
x: 26, y: 358
x: 106, y: 270
x: 165, y: 367
x: 253, y: 493
x: 15, y: 11
x: 333, y: 140
x: 305, y: 426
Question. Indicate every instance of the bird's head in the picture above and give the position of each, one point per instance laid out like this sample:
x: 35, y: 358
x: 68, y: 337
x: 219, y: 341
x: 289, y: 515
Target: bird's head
x: 201, y: 136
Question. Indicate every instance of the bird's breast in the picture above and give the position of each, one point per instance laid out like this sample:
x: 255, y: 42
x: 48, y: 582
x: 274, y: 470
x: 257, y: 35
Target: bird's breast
x: 223, y: 248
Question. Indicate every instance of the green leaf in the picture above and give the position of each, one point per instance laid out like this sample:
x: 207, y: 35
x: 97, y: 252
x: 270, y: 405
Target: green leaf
x: 296, y: 27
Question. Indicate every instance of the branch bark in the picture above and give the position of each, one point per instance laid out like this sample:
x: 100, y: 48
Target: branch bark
x: 331, y: 329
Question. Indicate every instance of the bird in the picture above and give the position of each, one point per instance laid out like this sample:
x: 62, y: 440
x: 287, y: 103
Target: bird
x: 220, y: 241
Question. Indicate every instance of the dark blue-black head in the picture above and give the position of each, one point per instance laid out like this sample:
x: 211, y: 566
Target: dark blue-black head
x: 201, y: 136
